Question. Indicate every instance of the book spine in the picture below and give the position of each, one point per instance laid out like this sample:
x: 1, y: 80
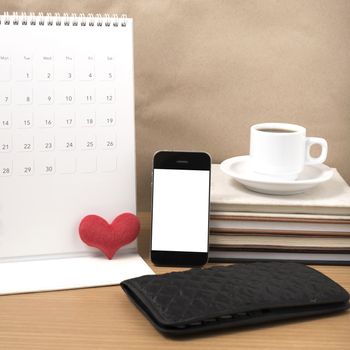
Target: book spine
x: 277, y: 249
x: 267, y: 218
x: 310, y: 261
x: 280, y: 209
x: 274, y: 233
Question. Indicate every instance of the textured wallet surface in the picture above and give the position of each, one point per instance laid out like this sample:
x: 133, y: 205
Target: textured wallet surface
x: 198, y: 300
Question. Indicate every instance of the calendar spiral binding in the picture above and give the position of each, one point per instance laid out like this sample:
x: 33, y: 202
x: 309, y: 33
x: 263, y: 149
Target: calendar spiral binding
x: 65, y: 19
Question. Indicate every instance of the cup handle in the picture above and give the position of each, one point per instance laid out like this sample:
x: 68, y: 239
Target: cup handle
x: 310, y: 141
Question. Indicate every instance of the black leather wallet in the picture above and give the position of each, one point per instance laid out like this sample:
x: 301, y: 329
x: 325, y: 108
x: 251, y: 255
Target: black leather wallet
x: 199, y: 300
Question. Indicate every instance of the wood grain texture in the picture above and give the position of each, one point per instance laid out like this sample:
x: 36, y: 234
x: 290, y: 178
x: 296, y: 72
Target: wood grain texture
x: 104, y: 318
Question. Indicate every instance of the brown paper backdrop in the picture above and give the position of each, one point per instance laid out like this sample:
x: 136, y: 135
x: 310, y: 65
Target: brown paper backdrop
x: 206, y: 70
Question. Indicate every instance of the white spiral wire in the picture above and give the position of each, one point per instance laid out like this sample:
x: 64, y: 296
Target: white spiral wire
x: 65, y: 19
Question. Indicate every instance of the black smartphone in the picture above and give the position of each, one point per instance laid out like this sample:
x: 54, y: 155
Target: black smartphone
x: 180, y: 208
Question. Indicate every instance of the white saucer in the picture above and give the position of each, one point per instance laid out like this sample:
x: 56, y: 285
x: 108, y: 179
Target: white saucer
x: 311, y: 176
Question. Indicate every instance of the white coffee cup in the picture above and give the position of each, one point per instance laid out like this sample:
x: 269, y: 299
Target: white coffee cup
x: 280, y: 150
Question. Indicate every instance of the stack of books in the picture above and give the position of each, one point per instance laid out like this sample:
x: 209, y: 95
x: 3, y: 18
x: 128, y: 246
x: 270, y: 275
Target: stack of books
x: 311, y: 227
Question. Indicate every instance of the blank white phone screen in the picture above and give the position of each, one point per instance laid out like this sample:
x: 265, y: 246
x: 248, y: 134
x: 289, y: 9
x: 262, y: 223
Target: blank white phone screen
x: 180, y: 210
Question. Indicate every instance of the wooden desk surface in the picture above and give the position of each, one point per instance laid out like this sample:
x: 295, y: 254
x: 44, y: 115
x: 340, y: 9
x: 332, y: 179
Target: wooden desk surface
x: 104, y: 318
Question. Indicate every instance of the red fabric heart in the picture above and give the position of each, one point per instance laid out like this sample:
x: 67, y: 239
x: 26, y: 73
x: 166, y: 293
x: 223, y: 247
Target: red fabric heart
x: 97, y: 232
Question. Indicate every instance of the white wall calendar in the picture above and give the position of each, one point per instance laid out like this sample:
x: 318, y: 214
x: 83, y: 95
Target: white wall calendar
x: 67, y: 145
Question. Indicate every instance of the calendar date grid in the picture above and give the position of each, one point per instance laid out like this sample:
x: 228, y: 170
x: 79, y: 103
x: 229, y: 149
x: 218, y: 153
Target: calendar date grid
x: 55, y: 137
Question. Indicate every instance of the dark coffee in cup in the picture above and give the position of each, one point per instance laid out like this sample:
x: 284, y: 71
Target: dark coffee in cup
x: 276, y: 130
